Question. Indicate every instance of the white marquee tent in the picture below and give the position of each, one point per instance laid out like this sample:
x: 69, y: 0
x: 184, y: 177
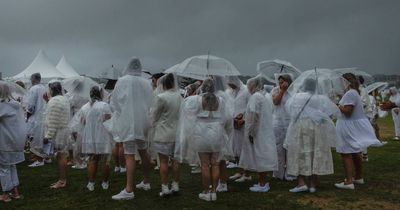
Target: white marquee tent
x: 42, y: 65
x: 66, y: 69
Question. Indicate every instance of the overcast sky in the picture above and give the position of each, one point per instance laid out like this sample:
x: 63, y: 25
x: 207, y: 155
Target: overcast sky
x: 93, y: 34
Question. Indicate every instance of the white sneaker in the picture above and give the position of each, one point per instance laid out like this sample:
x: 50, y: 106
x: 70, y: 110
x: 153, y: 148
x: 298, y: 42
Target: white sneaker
x: 156, y: 168
x: 117, y: 169
x: 122, y: 170
x: 36, y: 164
x: 297, y: 189
x: 235, y: 176
x: 165, y: 191
x: 312, y: 189
x: 90, y: 186
x: 83, y: 166
x: 231, y: 165
x: 175, y: 187
x: 205, y: 196
x: 213, y: 196
x: 358, y: 181
x: 396, y: 138
x: 105, y: 185
x: 259, y: 188
x: 196, y: 170
x: 243, y: 179
x: 222, y: 187
x: 123, y: 195
x: 143, y: 186
x: 47, y: 160
x: 344, y: 186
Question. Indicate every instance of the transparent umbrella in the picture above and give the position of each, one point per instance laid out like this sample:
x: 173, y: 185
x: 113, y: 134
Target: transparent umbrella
x: 376, y: 86
x: 368, y: 79
x: 271, y: 67
x: 79, y: 85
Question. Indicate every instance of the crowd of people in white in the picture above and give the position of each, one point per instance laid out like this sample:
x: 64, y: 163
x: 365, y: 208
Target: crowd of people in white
x: 219, y: 123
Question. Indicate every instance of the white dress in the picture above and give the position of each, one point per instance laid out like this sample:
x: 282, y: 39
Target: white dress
x: 12, y: 133
x: 311, y: 135
x: 36, y: 105
x: 355, y: 133
x: 130, y: 103
x: 281, y: 120
x: 240, y: 97
x: 201, y: 131
x: 261, y: 156
x: 396, y: 116
x: 95, y: 138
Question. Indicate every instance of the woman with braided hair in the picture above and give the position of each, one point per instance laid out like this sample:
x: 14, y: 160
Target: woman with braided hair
x: 96, y: 140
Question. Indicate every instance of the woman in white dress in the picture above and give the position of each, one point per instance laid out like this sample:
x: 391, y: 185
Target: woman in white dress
x: 281, y: 122
x: 57, y: 118
x: 354, y: 132
x: 165, y: 116
x: 259, y: 146
x: 96, y: 140
x: 395, y: 100
x: 12, y: 141
x: 238, y: 91
x: 310, y: 136
x: 202, y: 134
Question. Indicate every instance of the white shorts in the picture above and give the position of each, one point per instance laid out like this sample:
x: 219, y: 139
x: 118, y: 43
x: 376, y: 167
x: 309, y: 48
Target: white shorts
x: 131, y: 147
x: 166, y: 148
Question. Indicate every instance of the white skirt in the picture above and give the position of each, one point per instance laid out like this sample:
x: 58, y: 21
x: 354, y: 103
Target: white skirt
x: 355, y: 136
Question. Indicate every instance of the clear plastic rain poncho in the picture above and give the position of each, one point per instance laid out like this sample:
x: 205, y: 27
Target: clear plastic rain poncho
x: 395, y: 98
x: 95, y: 138
x: 199, y: 128
x: 12, y: 127
x: 261, y: 155
x: 311, y: 133
x: 130, y: 102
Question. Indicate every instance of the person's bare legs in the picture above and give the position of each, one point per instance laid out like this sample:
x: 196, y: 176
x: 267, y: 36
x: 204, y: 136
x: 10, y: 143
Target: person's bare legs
x: 121, y: 155
x: 357, y: 161
x: 348, y: 167
x: 301, y: 181
x: 92, y: 168
x: 175, y: 170
x: 130, y: 171
x: 115, y: 155
x: 262, y: 178
x: 223, y: 174
x: 144, y: 156
x: 214, y: 171
x: 314, y: 181
x: 163, y: 168
x: 205, y: 170
x: 106, y: 170
x: 62, y: 166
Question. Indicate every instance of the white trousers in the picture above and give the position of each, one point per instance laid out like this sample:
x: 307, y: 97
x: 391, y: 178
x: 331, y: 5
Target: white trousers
x: 396, y: 120
x: 8, y: 177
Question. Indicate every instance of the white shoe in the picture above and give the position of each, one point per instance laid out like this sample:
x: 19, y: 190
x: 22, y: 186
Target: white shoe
x: 122, y: 170
x: 396, y: 138
x: 344, y: 186
x: 47, y: 160
x: 83, y: 166
x: 165, y: 191
x: 235, y: 176
x: 231, y: 165
x: 384, y: 142
x: 205, y: 196
x: 196, y: 170
x: 117, y: 169
x: 156, y: 168
x: 105, y: 185
x: 259, y: 188
x: 36, y: 164
x: 123, y: 195
x: 90, y: 186
x: 213, y: 196
x: 175, y: 187
x: 222, y: 187
x: 312, y: 189
x: 358, y: 181
x: 143, y: 186
x: 297, y: 189
x: 243, y: 179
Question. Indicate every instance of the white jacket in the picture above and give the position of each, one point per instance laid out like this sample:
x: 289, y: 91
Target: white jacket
x: 57, y: 115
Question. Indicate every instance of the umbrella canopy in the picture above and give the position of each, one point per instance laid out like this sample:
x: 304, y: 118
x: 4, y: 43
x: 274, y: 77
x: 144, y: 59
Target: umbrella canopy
x: 271, y: 67
x: 368, y: 79
x: 201, y: 66
x: 329, y: 83
x: 80, y: 85
x: 376, y: 85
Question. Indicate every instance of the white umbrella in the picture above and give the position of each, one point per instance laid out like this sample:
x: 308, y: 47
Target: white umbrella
x: 83, y: 83
x: 368, y: 79
x: 376, y: 85
x: 15, y: 89
x: 201, y: 66
x: 271, y: 67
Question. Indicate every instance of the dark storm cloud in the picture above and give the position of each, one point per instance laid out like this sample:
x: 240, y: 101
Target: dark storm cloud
x: 93, y: 34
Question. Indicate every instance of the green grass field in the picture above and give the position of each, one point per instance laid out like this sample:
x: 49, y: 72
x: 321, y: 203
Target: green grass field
x: 381, y: 191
